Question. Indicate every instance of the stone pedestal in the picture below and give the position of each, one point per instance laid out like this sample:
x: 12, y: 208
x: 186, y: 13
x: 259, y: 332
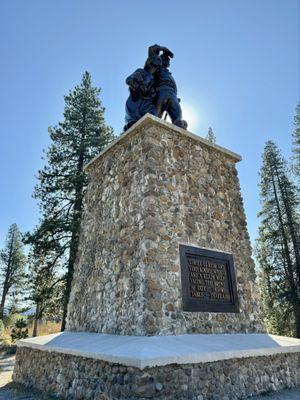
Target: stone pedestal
x: 156, y: 187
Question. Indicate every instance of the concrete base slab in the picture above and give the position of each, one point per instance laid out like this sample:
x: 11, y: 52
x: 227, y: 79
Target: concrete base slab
x: 86, y: 366
x: 152, y: 351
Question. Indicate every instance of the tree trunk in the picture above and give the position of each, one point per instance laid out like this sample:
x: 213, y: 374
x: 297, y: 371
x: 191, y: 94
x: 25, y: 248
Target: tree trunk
x: 35, y: 327
x: 270, y: 300
x: 297, y: 319
x: 36, y: 321
x: 3, y: 299
x: 74, y: 239
x: 6, y: 284
x: 69, y: 278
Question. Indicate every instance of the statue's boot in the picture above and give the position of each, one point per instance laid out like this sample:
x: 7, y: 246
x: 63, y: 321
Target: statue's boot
x: 181, y: 123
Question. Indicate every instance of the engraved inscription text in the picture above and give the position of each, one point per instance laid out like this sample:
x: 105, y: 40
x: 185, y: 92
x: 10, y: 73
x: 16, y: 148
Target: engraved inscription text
x: 208, y: 279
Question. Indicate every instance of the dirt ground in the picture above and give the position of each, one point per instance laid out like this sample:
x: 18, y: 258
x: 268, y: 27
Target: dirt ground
x: 11, y: 391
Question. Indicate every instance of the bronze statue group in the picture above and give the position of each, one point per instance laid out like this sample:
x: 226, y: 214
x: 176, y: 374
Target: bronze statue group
x: 153, y: 90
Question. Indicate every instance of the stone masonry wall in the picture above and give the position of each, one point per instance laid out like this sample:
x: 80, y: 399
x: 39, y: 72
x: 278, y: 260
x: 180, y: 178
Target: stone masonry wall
x: 78, y: 378
x: 158, y: 187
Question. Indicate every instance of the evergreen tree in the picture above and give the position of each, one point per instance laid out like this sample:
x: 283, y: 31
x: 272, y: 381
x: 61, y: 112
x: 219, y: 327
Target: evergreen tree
x: 45, y: 287
x: 62, y: 182
x: 12, y: 262
x: 19, y: 331
x: 278, y: 243
x: 296, y: 146
x: 277, y: 311
x: 211, y: 136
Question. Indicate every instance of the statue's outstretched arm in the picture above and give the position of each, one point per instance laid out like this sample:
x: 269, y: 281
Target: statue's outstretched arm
x: 156, y: 49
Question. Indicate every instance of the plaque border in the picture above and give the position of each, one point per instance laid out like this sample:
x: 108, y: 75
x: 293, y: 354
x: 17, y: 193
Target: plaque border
x: 197, y: 305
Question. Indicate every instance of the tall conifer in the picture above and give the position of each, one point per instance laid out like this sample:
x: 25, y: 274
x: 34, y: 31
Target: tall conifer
x: 12, y: 262
x: 278, y: 243
x: 211, y: 136
x: 62, y: 182
x: 296, y: 146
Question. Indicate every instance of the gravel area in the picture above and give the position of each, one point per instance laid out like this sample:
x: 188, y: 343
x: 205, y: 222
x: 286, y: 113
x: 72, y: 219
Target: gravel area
x: 6, y: 369
x: 11, y: 391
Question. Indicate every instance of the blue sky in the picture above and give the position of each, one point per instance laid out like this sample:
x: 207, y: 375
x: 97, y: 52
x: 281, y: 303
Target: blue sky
x: 236, y: 65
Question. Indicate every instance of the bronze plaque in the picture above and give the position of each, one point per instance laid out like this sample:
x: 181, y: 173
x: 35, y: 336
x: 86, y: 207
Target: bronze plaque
x: 208, y: 280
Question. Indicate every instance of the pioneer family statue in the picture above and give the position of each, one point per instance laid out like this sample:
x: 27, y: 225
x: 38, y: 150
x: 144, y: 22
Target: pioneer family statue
x: 153, y: 89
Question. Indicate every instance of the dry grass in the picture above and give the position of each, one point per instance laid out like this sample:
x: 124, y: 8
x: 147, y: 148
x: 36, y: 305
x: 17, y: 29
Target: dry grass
x: 46, y: 328
x: 6, y: 339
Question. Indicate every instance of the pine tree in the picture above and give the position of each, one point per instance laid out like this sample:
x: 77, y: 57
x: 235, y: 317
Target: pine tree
x: 278, y: 243
x: 277, y: 311
x: 211, y: 136
x: 20, y: 330
x: 12, y: 262
x: 296, y: 146
x: 45, y: 288
x: 62, y: 182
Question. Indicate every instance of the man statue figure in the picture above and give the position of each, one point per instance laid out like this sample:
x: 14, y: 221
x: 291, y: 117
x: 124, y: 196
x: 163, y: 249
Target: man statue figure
x: 153, y: 89
x: 166, y: 88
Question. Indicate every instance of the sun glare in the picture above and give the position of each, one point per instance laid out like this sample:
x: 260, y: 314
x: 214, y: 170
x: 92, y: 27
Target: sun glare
x: 191, y: 116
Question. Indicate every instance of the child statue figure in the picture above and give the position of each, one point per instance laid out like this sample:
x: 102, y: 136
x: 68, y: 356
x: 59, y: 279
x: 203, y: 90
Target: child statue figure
x: 142, y: 92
